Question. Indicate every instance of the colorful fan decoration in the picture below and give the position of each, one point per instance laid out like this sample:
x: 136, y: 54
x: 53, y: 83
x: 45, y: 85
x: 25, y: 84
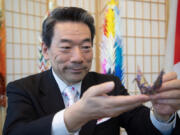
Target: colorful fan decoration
x: 111, y: 45
x: 44, y: 64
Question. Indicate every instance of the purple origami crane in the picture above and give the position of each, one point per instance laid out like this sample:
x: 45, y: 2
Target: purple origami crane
x: 143, y: 85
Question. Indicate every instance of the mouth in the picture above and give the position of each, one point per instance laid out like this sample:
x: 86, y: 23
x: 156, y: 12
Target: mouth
x: 77, y: 69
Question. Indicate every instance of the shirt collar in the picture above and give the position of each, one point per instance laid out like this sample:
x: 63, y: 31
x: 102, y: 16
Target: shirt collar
x: 62, y: 85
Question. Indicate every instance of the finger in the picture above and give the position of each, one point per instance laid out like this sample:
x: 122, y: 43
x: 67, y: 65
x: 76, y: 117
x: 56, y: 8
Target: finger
x: 164, y: 109
x: 171, y: 84
x: 126, y: 108
x: 101, y: 89
x: 171, y: 94
x: 172, y: 102
x: 128, y: 100
x: 169, y: 76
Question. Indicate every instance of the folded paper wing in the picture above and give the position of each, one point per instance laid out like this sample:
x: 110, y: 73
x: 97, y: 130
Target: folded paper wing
x: 143, y: 85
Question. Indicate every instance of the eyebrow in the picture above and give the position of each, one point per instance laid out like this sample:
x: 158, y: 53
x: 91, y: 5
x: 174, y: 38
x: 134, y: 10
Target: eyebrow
x: 66, y: 41
x: 71, y: 41
x: 86, y: 40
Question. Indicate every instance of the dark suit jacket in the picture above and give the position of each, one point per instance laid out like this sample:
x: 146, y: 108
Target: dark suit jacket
x: 33, y: 101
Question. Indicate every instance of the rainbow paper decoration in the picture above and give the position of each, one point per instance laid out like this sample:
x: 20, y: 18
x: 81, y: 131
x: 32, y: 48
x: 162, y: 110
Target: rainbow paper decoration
x: 111, y: 45
x: 43, y: 64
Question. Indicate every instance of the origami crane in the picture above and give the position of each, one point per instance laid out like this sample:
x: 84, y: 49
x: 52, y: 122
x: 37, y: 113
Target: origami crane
x: 143, y: 85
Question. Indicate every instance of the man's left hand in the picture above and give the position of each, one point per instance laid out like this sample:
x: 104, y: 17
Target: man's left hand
x: 167, y: 99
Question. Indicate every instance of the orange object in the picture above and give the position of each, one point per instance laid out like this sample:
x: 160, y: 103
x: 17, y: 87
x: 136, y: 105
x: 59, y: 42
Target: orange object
x: 2, y: 63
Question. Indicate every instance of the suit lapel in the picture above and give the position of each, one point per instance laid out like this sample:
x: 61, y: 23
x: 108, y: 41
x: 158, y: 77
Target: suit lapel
x: 51, y: 99
x: 88, y: 128
x: 87, y: 82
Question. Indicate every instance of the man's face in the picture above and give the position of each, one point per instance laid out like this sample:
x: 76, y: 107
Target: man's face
x: 70, y: 52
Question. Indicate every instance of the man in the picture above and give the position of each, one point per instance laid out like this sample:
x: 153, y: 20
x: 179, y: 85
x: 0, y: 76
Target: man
x: 40, y: 105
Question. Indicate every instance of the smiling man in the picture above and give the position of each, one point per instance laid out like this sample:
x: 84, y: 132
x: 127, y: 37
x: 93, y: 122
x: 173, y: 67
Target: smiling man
x: 70, y: 52
x: 68, y: 99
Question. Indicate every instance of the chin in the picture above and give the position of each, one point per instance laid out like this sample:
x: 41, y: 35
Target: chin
x: 76, y: 77
x: 75, y: 80
x: 71, y: 82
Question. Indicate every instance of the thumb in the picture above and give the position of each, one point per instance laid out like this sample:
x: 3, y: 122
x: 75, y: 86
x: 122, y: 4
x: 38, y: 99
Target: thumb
x: 101, y: 89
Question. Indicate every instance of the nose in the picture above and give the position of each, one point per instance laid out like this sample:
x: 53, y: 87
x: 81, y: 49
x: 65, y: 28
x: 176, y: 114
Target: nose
x: 77, y: 56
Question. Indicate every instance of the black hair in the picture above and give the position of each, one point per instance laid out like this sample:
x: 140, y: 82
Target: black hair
x: 65, y: 14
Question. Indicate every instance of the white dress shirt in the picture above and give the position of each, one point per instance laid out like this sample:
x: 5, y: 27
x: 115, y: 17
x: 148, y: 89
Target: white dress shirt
x: 59, y: 127
x: 164, y: 127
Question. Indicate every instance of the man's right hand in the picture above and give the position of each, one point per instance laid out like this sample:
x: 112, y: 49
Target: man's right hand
x: 96, y: 104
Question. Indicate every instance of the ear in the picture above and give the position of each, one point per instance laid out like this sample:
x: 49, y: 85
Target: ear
x: 45, y: 51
